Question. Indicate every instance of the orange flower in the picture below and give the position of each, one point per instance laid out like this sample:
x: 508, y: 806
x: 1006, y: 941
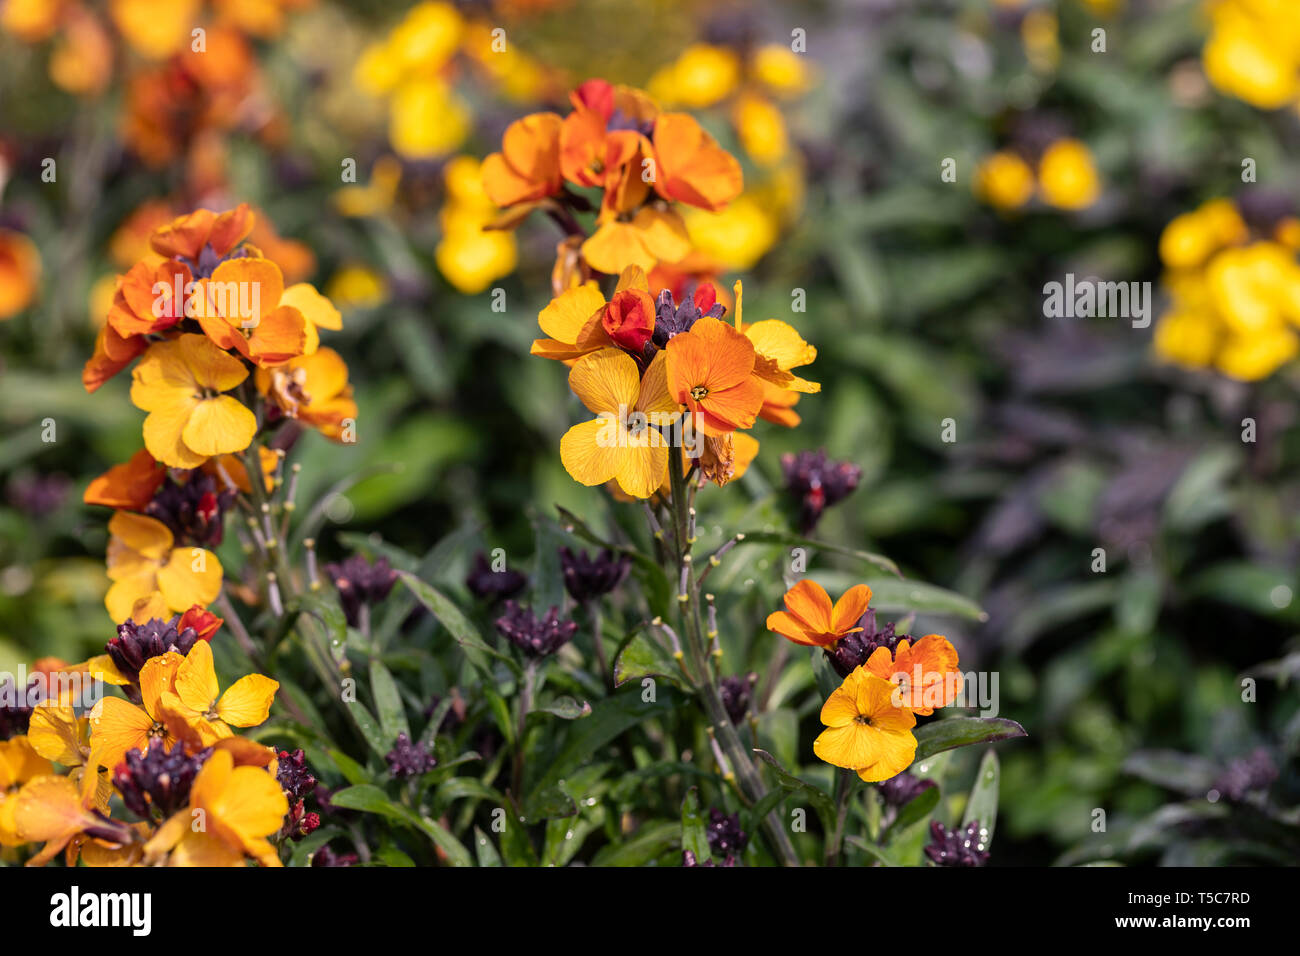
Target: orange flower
x: 186, y: 237
x: 629, y: 319
x: 710, y: 370
x: 926, y: 672
x: 117, y: 726
x: 129, y: 486
x: 113, y: 352
x: 809, y: 618
x: 146, y: 299
x: 240, y: 308
x: 528, y: 167
x: 20, y: 271
x: 691, y: 167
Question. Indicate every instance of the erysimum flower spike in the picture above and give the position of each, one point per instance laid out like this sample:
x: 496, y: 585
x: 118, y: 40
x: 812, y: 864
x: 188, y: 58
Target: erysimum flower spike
x: 180, y: 383
x: 865, y: 730
x: 623, y: 443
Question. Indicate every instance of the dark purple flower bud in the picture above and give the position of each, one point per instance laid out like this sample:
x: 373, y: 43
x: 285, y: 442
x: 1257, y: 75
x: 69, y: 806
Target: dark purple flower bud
x: 588, y: 578
x: 672, y: 319
x: 535, y: 637
x: 294, y: 775
x: 361, y: 584
x: 817, y: 483
x: 136, y: 643
x: 156, y: 782
x: 737, y: 695
x: 1246, y: 775
x: 489, y: 585
x: 902, y: 789
x: 726, y: 838
x: 194, y: 510
x: 409, y: 759
x: 16, y: 706
x: 688, y: 859
x: 960, y: 847
x: 327, y: 857
x: 852, y: 650
x: 298, y: 823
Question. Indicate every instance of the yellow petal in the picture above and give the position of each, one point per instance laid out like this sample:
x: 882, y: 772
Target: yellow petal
x: 196, y: 679
x: 156, y: 678
x: 317, y: 309
x: 192, y: 576
x: 606, y: 381
x: 55, y: 734
x: 590, y: 452
x: 142, y: 534
x: 219, y: 426
x: 643, y: 469
x: 568, y: 312
x: 247, y: 702
x: 116, y: 727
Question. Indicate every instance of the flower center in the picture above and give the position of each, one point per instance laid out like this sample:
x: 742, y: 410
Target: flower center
x: 862, y: 719
x: 157, y: 729
x: 699, y: 392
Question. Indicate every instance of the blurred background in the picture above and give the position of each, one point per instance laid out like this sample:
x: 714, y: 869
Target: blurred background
x: 916, y: 171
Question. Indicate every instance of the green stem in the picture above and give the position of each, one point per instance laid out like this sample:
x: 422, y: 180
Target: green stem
x: 748, y: 782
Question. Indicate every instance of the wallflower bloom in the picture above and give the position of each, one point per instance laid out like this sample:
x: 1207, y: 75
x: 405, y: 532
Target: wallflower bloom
x: 925, y: 671
x: 20, y: 272
x: 622, y: 444
x: 59, y: 735
x: 118, y: 726
x: 197, y: 712
x: 241, y: 806
x: 143, y: 565
x: 810, y: 619
x: 528, y: 167
x: 1067, y: 177
x: 179, y: 382
x: 691, y: 167
x: 1004, y: 180
x: 711, y: 371
x: 865, y: 731
x: 19, y: 763
x: 573, y: 322
x: 314, y: 390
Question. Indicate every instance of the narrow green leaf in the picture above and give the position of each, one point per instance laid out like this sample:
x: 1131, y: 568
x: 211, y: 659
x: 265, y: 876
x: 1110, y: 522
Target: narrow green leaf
x: 983, y: 802
x: 388, y: 703
x: 962, y: 732
x: 695, y: 837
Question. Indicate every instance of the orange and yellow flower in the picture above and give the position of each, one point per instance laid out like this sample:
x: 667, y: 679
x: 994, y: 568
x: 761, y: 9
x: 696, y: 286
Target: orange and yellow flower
x: 925, y: 671
x: 810, y: 619
x: 865, y: 730
x: 196, y: 711
x: 623, y: 444
x: 118, y: 727
x: 711, y: 372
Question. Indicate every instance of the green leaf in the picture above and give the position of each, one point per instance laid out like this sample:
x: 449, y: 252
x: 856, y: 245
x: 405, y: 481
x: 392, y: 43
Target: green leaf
x: 566, y: 708
x: 639, y: 657
x: 370, y: 799
x: 609, y: 719
x: 788, y: 540
x: 953, y: 732
x: 695, y: 837
x: 983, y: 802
x: 461, y: 630
x: 870, y: 849
x: 388, y: 703
x: 918, y: 808
x: 304, y: 848
x: 649, y: 843
x: 487, y: 853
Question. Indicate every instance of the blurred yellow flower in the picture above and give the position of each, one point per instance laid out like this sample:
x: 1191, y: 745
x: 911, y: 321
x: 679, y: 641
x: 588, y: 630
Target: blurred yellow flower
x: 701, y: 76
x: 737, y: 237
x: 470, y: 256
x: 1004, y: 180
x: 1067, y: 177
x: 1253, y: 51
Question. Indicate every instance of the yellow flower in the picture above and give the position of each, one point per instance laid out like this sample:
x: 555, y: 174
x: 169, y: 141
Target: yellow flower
x: 196, y: 711
x: 117, y: 726
x: 19, y: 763
x: 1004, y: 180
x: 57, y: 734
x: 701, y: 76
x: 1253, y: 51
x: 231, y: 813
x: 623, y: 443
x: 143, y: 564
x: 1067, y: 177
x: 469, y: 255
x: 865, y: 731
x: 1190, y: 239
x: 762, y: 129
x: 781, y: 70
x: 179, y: 382
x: 357, y: 287
x: 736, y: 237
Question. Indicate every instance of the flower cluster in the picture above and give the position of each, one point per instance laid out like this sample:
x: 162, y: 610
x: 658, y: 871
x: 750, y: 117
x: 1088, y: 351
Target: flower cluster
x: 1234, y: 285
x: 1062, y: 175
x: 1253, y: 51
x: 887, y: 680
